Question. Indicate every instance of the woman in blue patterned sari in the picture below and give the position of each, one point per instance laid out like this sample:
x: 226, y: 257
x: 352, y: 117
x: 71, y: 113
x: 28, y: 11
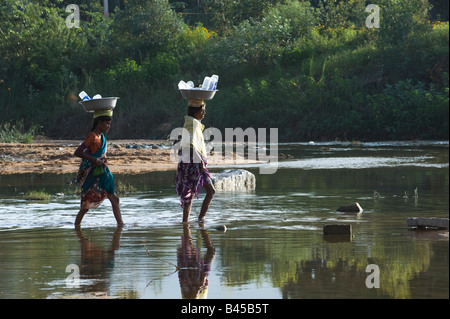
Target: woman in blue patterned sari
x: 97, y: 182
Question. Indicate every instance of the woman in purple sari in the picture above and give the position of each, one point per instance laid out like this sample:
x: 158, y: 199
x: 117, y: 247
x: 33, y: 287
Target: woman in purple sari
x: 192, y: 172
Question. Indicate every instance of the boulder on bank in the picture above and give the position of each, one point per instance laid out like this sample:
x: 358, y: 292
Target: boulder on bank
x: 234, y: 180
x: 350, y: 208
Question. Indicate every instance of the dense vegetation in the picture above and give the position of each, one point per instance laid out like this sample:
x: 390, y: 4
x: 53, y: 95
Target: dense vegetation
x: 312, y: 69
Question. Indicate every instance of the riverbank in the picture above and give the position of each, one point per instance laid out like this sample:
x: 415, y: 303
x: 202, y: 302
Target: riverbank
x: 56, y: 156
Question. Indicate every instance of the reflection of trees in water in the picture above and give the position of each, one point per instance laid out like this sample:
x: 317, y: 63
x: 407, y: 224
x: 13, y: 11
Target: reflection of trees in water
x: 326, y: 270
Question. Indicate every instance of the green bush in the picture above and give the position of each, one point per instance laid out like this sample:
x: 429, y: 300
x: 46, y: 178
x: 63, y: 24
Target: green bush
x: 162, y: 70
x: 312, y: 69
x: 341, y: 14
x: 16, y: 133
x: 257, y: 43
x: 409, y: 110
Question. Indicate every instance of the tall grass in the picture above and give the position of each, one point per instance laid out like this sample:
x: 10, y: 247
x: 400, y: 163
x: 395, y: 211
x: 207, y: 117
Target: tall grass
x: 16, y: 133
x: 35, y: 195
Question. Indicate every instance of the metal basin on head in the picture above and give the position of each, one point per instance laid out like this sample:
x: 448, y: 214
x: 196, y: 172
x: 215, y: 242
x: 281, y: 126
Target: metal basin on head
x: 194, y: 94
x: 105, y: 103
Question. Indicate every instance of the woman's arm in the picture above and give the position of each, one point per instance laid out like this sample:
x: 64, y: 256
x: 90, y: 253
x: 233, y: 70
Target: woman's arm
x: 80, y: 152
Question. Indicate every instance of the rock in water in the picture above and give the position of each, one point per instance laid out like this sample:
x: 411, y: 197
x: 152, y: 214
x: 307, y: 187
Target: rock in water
x: 350, y: 208
x: 430, y: 222
x: 234, y: 180
x: 222, y: 228
x: 337, y: 229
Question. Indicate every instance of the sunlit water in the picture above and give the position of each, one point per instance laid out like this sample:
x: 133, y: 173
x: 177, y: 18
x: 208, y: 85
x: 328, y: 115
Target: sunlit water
x: 274, y: 245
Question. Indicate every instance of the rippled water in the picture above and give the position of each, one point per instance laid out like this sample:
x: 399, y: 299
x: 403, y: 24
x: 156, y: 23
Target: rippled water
x: 274, y: 245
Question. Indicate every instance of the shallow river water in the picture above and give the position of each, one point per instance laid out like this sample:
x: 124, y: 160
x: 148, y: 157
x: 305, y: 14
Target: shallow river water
x: 274, y: 246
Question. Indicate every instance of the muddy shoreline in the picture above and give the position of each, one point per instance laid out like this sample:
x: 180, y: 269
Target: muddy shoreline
x: 56, y: 156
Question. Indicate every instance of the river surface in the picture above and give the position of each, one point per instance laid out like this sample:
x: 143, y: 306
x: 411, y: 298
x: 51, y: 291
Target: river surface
x: 273, y: 248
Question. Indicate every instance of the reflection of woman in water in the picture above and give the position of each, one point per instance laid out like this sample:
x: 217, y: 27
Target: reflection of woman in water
x: 97, y: 262
x: 193, y: 273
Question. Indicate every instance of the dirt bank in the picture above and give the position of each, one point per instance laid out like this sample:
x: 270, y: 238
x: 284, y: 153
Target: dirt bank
x: 56, y: 156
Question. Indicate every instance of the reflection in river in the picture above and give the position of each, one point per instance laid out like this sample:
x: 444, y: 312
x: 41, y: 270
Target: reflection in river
x: 192, y: 268
x: 96, y: 262
x: 274, y: 245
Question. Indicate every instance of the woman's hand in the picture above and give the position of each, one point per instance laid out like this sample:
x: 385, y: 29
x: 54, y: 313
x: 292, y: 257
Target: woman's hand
x: 99, y: 162
x: 80, y: 152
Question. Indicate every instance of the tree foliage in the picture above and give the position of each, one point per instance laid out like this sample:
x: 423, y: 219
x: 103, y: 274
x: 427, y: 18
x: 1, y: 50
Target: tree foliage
x: 312, y: 69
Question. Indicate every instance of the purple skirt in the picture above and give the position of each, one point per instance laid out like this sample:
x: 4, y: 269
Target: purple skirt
x: 190, y: 177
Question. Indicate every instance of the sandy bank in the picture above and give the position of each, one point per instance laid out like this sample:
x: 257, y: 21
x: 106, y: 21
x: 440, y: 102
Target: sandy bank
x: 56, y: 156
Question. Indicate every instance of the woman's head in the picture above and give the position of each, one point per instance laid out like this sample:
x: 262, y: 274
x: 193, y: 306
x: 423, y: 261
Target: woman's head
x: 197, y: 112
x: 102, y: 120
x: 196, y: 108
x: 101, y: 124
